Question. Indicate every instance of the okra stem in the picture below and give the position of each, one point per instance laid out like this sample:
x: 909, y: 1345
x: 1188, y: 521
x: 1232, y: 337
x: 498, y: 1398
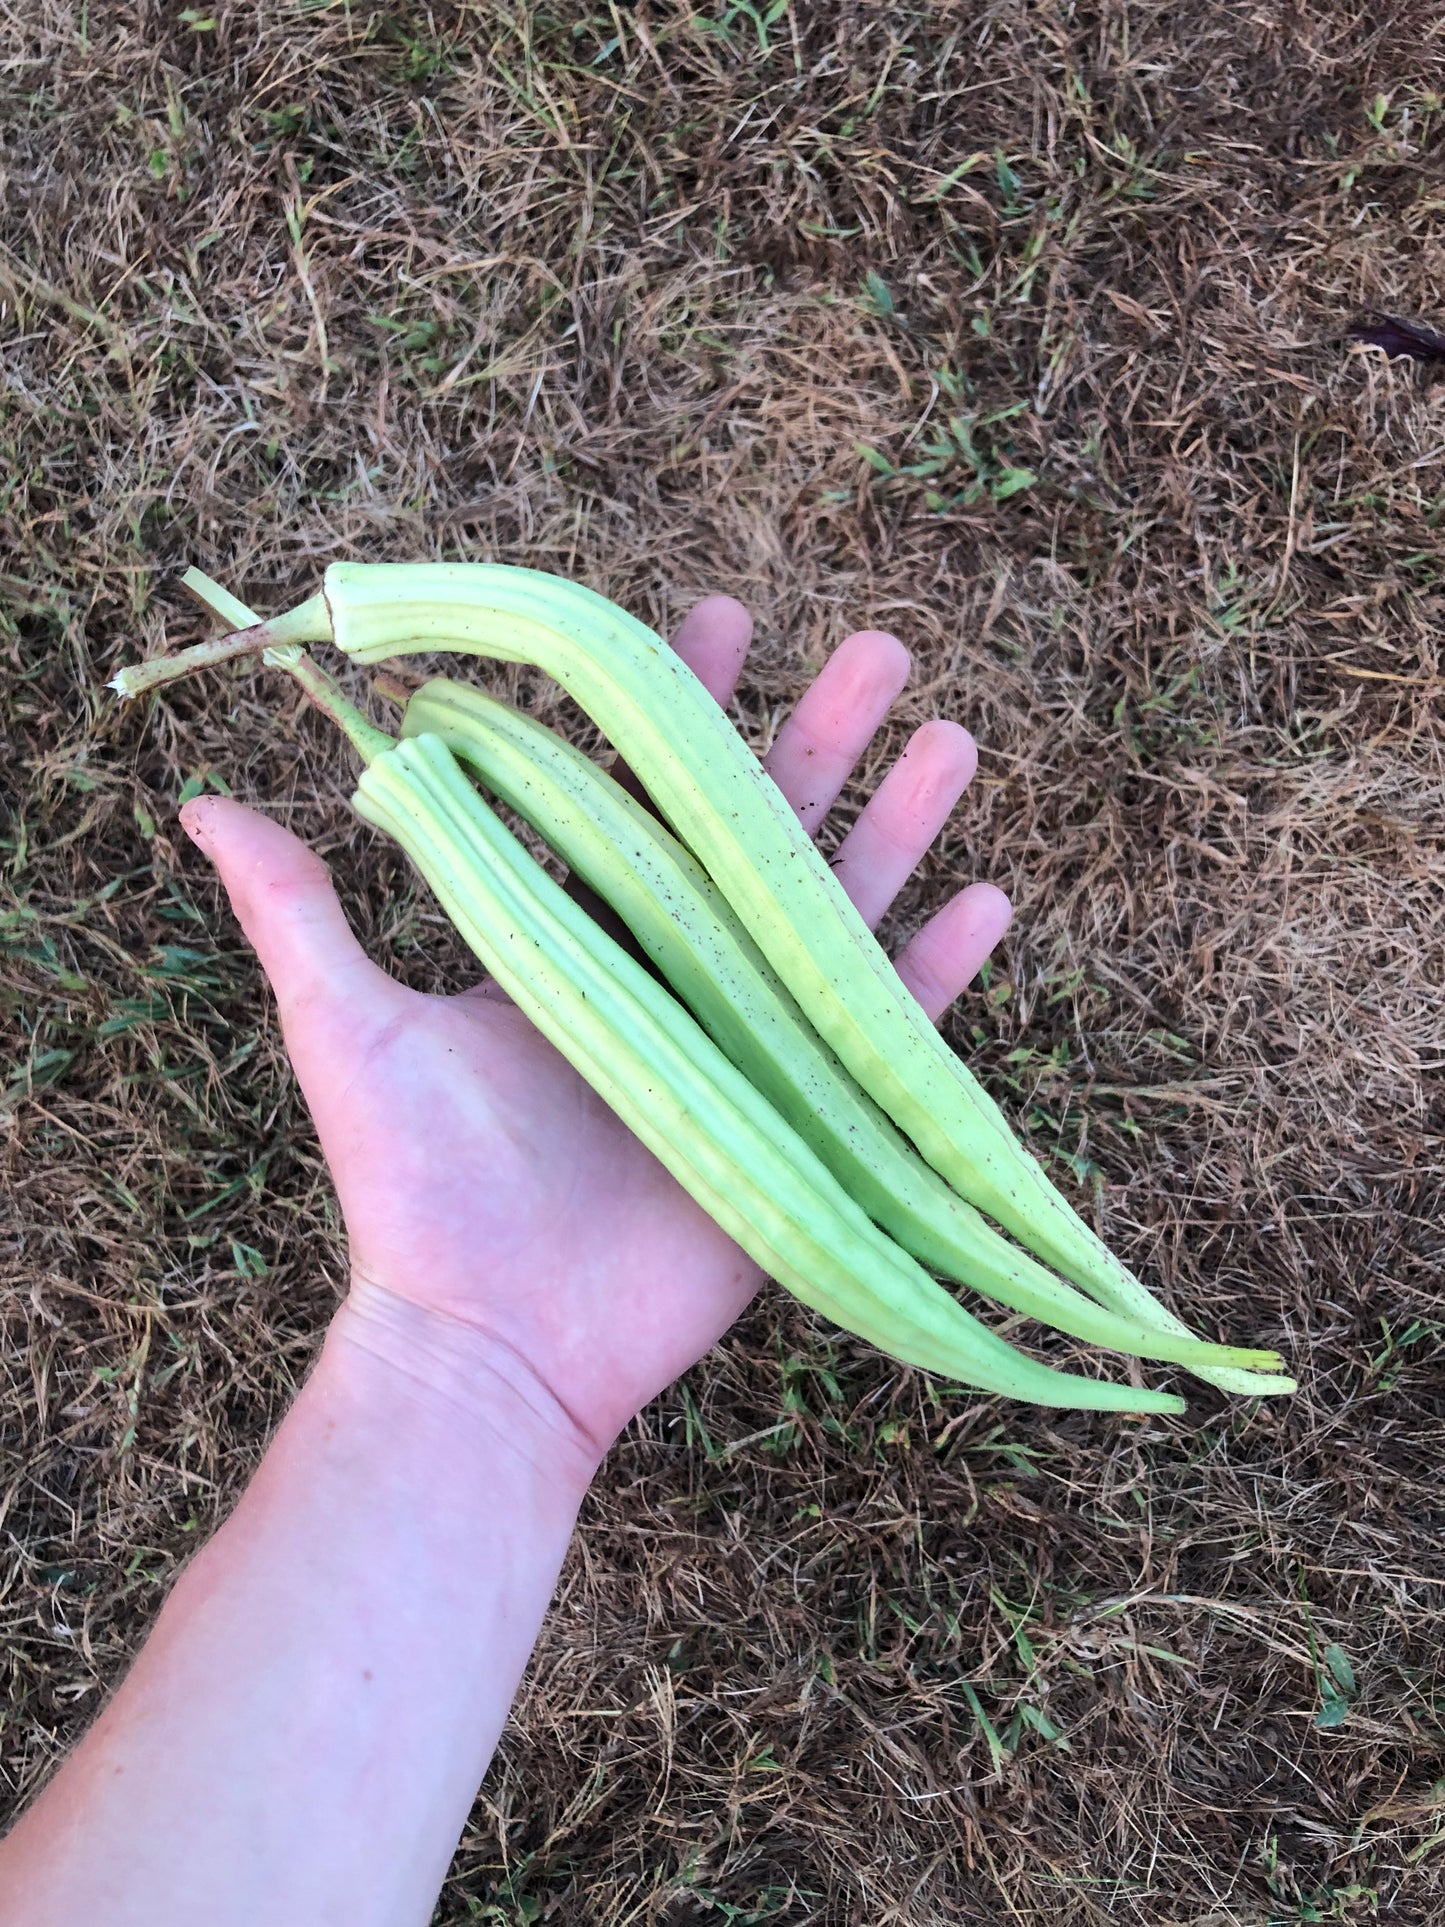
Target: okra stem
x: 299, y: 624
x: 255, y: 636
x: 365, y: 738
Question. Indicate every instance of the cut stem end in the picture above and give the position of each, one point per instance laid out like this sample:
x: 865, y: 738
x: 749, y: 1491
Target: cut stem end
x: 142, y: 677
x: 310, y: 621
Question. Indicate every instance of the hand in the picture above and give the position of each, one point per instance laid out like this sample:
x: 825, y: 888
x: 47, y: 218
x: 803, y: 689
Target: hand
x: 496, y: 1208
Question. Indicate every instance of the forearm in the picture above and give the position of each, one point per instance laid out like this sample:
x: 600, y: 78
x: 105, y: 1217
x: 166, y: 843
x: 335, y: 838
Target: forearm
x: 305, y: 1729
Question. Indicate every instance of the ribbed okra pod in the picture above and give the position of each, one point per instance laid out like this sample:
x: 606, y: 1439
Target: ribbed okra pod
x: 656, y: 1068
x: 723, y: 805
x: 686, y: 927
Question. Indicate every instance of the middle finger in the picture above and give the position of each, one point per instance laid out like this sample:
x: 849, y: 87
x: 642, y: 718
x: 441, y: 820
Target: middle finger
x: 897, y: 826
x: 818, y: 746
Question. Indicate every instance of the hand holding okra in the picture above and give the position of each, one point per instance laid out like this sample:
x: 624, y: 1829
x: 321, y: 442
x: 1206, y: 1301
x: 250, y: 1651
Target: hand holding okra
x: 473, y: 1163
x: 792, y: 1085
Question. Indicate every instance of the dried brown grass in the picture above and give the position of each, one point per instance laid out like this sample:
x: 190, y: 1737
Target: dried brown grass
x: 285, y: 282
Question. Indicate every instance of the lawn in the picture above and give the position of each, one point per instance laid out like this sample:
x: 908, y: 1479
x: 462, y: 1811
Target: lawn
x: 1019, y: 329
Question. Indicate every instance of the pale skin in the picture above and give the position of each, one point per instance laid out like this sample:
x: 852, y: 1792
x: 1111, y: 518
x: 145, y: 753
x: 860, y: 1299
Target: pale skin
x: 304, y: 1731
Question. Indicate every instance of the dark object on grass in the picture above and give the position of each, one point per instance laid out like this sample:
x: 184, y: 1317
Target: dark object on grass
x: 1398, y: 337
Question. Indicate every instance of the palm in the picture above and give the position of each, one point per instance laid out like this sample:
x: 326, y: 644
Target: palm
x: 478, y: 1174
x: 475, y: 1164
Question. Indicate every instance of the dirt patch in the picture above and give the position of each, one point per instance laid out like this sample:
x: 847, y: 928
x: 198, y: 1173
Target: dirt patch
x: 1017, y: 330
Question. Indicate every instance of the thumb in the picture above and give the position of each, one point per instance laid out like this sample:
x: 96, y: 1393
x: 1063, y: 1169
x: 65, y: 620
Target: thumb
x: 283, y: 898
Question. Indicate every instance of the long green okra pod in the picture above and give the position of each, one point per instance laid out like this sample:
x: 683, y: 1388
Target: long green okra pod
x: 726, y: 809
x: 686, y: 927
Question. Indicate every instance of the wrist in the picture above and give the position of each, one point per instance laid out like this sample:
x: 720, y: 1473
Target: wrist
x: 427, y: 1370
